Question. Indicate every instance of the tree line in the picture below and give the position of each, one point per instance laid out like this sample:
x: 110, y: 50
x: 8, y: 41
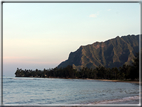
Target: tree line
x: 126, y: 72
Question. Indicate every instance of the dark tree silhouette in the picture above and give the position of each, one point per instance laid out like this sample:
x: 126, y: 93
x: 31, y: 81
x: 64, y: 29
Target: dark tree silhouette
x: 126, y: 72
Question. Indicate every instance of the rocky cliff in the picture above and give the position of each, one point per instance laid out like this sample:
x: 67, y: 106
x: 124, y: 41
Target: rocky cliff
x: 111, y: 53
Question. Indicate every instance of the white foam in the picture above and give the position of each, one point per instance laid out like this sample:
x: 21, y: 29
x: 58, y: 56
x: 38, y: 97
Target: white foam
x: 118, y: 100
x: 23, y: 78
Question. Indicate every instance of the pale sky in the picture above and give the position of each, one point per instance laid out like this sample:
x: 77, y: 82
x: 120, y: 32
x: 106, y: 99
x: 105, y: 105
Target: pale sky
x: 41, y: 35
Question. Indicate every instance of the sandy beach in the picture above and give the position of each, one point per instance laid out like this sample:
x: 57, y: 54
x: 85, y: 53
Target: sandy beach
x: 137, y: 82
x: 119, y: 81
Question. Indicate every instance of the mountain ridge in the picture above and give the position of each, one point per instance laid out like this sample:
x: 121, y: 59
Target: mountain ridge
x: 111, y: 53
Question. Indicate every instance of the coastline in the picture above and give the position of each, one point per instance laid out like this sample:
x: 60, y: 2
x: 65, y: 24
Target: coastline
x: 137, y: 82
x: 128, y: 81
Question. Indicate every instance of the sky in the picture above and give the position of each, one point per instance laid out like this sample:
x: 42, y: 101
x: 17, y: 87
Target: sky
x: 42, y: 35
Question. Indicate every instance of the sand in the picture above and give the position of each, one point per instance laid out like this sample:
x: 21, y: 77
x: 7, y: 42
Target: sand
x: 137, y: 82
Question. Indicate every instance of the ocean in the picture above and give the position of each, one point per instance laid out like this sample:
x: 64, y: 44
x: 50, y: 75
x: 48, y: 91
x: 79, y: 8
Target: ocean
x: 55, y: 91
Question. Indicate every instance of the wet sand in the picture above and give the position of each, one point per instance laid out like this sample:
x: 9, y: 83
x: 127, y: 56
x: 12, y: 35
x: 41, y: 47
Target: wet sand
x: 137, y: 82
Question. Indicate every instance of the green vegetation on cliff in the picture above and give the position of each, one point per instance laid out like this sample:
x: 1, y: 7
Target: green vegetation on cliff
x: 111, y: 53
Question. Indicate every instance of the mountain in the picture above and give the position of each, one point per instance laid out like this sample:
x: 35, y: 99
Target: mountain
x: 111, y: 53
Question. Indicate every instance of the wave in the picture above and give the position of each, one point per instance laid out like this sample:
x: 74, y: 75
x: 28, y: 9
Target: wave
x: 23, y: 78
x: 29, y: 78
x: 118, y: 100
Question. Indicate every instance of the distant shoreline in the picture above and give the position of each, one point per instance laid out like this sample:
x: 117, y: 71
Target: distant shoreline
x: 137, y: 82
x: 128, y: 81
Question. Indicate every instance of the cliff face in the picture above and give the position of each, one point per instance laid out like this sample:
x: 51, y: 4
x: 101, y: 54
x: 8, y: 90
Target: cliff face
x: 111, y: 53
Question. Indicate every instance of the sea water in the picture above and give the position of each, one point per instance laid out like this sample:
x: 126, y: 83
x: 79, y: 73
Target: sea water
x: 50, y: 91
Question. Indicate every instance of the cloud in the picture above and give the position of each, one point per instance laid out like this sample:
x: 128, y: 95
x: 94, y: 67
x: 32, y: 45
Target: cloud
x: 93, y: 15
x: 108, y: 9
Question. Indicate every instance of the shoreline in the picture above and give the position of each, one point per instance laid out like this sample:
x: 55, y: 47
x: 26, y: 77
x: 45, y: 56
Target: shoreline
x: 137, y: 82
x: 128, y: 81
